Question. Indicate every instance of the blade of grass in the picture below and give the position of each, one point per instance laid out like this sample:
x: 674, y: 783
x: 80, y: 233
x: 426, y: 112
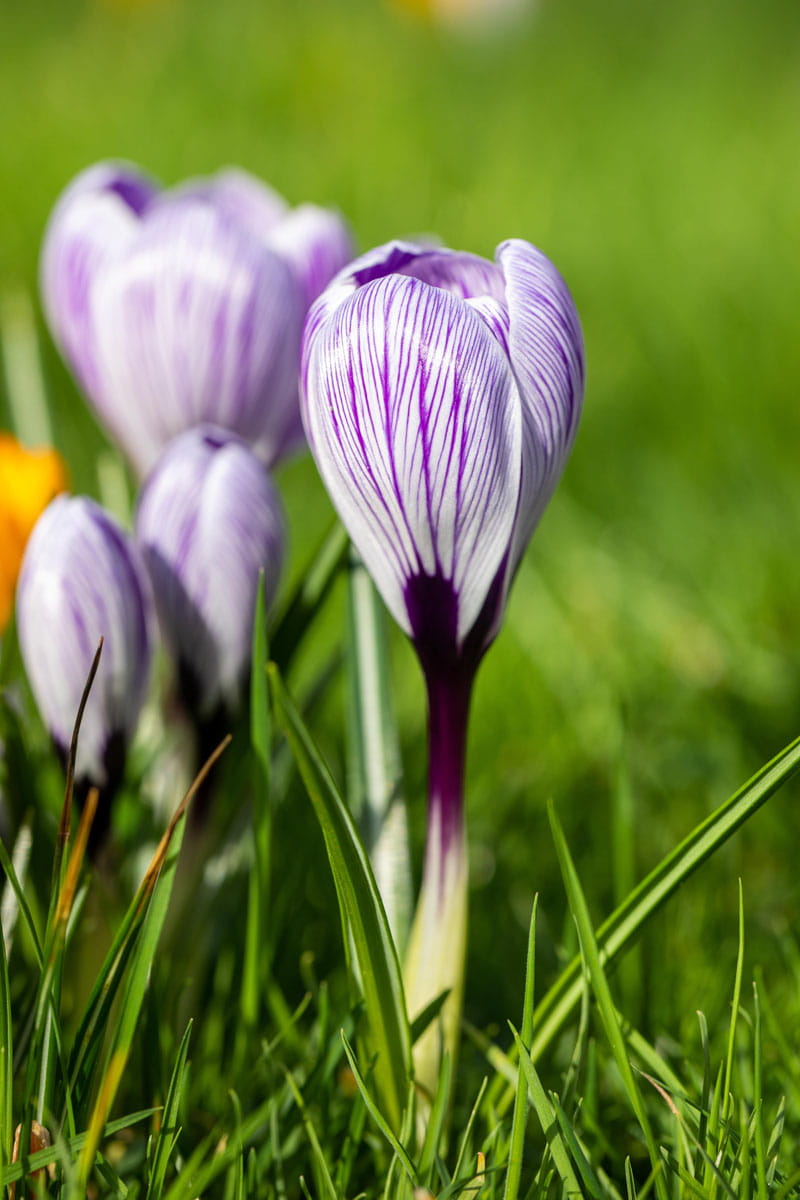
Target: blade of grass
x: 157, y: 882
x: 619, y: 929
x: 166, y: 1138
x: 602, y: 993
x: 89, y: 1038
x: 302, y: 605
x: 547, y: 1119
x: 377, y: 1115
x: 6, y: 1059
x: 72, y: 1146
x: 374, y: 775
x: 361, y: 909
x: 255, y: 958
x: 519, y: 1119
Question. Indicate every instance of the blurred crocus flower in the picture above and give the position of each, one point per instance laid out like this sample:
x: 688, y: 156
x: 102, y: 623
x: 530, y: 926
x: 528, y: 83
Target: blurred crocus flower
x: 29, y: 479
x: 185, y: 306
x: 441, y: 397
x: 81, y: 580
x: 208, y: 521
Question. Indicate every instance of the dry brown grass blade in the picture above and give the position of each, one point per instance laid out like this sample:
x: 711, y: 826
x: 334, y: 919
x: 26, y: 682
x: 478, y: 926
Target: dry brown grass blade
x: 66, y: 894
x: 157, y: 861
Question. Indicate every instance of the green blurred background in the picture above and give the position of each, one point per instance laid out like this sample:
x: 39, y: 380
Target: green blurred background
x: 652, y: 151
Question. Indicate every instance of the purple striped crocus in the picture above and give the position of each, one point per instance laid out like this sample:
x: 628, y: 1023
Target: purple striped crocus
x: 185, y: 306
x: 82, y: 579
x: 441, y: 395
x: 208, y: 521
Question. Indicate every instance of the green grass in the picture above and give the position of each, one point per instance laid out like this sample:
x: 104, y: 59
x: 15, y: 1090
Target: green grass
x: 647, y: 667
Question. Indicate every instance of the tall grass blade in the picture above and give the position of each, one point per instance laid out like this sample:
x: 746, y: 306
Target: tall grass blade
x: 361, y: 910
x: 519, y: 1119
x: 255, y: 949
x: 153, y: 898
x: 6, y: 1059
x: 618, y: 930
x: 308, y: 597
x: 602, y: 993
x: 547, y: 1119
x: 166, y: 1138
x: 374, y: 776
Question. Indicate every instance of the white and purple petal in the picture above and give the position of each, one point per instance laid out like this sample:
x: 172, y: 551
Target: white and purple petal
x: 94, y: 220
x: 414, y: 419
x: 82, y: 579
x: 238, y: 196
x: 546, y: 350
x: 315, y: 242
x: 208, y: 521
x: 197, y: 321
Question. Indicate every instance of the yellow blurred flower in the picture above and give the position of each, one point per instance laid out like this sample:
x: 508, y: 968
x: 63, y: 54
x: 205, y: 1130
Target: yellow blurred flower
x: 479, y: 14
x: 29, y: 479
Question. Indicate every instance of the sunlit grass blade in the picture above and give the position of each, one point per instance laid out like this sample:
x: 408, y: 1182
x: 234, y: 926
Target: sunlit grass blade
x: 166, y: 1137
x: 436, y: 1124
x: 256, y: 944
x: 374, y: 775
x: 155, y: 892
x: 520, y: 1115
x: 547, y: 1119
x: 325, y: 1188
x: 362, y: 912
x: 300, y: 608
x: 6, y: 1059
x: 377, y: 1115
x: 72, y: 1146
x: 618, y: 930
x: 18, y: 906
x: 602, y: 994
x: 91, y: 1030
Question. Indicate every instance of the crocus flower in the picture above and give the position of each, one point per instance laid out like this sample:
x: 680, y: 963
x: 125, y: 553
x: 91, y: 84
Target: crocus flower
x: 29, y: 479
x: 441, y: 398
x: 208, y: 521
x: 185, y: 306
x: 82, y: 579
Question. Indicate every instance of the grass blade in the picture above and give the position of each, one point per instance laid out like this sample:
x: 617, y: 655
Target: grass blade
x: 547, y: 1119
x: 602, y: 993
x: 255, y: 957
x: 618, y: 930
x: 361, y: 910
x: 375, y: 785
x: 518, y: 1121
x: 300, y: 608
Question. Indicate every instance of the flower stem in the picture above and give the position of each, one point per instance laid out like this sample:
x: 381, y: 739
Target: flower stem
x: 437, y: 947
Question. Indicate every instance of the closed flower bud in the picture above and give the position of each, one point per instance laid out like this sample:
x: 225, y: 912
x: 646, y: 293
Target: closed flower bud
x: 186, y: 306
x: 441, y: 395
x: 82, y: 580
x: 208, y: 522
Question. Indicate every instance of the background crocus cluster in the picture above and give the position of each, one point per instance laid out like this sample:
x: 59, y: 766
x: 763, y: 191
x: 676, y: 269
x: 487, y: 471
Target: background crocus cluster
x: 180, y: 313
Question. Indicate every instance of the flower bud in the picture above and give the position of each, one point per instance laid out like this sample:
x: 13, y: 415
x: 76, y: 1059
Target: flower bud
x: 82, y: 580
x: 180, y: 307
x: 208, y: 521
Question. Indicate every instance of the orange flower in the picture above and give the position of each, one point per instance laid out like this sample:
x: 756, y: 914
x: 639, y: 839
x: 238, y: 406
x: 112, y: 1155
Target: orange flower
x: 29, y: 479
